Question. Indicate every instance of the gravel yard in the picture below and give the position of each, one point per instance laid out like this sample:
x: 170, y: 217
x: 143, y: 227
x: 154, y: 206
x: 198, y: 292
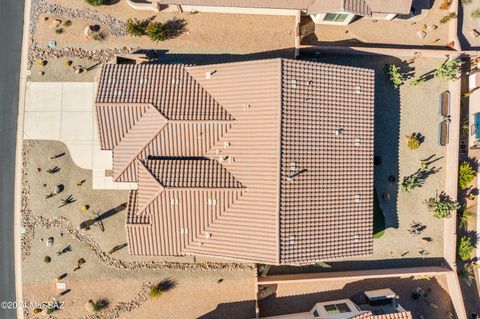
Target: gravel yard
x: 380, y: 32
x: 119, y: 277
x: 301, y: 297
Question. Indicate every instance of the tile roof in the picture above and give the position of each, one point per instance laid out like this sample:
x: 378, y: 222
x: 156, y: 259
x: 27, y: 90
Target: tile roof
x: 359, y: 7
x: 397, y: 315
x: 326, y: 178
x: 264, y: 177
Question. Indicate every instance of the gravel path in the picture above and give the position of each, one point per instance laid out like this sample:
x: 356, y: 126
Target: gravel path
x: 117, y: 27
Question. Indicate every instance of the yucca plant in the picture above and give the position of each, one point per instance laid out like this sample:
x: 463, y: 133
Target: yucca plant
x: 464, y: 248
x: 409, y: 183
x: 466, y: 174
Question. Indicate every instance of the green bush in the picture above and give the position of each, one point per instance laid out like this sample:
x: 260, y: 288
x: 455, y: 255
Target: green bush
x: 449, y: 70
x: 98, y: 36
x: 464, y: 248
x: 156, y: 31
x: 95, y: 2
x: 99, y: 304
x: 448, y: 17
x: 394, y: 75
x: 409, y: 183
x: 475, y: 13
x: 67, y: 23
x: 466, y: 174
x: 47, y: 259
x: 135, y: 27
x: 163, y: 286
x: 441, y: 206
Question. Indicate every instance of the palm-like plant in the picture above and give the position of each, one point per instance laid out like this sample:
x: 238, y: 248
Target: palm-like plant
x: 464, y: 248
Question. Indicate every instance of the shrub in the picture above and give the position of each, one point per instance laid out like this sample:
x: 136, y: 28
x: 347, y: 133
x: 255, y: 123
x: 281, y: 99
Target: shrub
x: 47, y: 259
x: 41, y: 62
x: 68, y: 63
x: 464, y: 248
x: 445, y: 5
x: 163, y: 286
x: 410, y: 183
x: 59, y: 31
x: 98, y: 36
x: 413, y: 142
x: 67, y: 23
x: 466, y: 174
x: 95, y: 2
x: 448, y: 17
x: 441, y: 206
x: 135, y: 27
x: 37, y: 310
x: 449, y: 70
x: 475, y: 13
x: 85, y: 208
x: 393, y: 74
x: 99, y: 304
x: 156, y: 31
x: 467, y: 274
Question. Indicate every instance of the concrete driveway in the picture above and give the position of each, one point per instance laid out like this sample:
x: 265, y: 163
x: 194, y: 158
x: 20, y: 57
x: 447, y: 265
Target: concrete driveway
x: 64, y: 111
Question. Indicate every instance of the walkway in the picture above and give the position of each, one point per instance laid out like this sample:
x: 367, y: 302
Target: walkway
x: 65, y: 112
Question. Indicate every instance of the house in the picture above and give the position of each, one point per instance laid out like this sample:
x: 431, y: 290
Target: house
x: 378, y: 304
x: 267, y: 161
x: 339, y: 12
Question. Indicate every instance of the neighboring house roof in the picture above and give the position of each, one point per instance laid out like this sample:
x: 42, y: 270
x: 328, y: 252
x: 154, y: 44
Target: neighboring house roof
x: 358, y: 7
x: 268, y: 161
x: 398, y: 315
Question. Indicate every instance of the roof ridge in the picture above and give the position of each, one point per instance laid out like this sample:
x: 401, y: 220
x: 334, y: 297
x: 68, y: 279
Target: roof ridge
x: 156, y: 194
x: 156, y: 132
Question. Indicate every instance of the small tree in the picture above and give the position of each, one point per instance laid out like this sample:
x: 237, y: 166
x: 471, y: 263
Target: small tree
x: 466, y: 174
x: 95, y: 3
x: 135, y: 27
x: 47, y: 259
x: 449, y: 70
x: 464, y: 248
x: 156, y: 31
x: 441, y: 206
x: 394, y: 75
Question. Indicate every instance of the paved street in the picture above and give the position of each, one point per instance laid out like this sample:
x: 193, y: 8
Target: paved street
x: 11, y: 28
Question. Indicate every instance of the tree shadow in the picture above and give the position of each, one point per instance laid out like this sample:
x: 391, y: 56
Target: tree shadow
x: 175, y: 27
x: 111, y: 212
x: 167, y: 284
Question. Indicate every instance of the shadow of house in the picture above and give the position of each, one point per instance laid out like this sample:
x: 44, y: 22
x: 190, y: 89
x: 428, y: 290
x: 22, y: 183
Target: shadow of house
x: 163, y: 56
x: 435, y: 305
x: 232, y: 310
x: 358, y: 265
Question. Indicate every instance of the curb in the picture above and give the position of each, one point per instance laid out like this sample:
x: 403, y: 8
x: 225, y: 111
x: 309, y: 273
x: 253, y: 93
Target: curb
x: 18, y: 159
